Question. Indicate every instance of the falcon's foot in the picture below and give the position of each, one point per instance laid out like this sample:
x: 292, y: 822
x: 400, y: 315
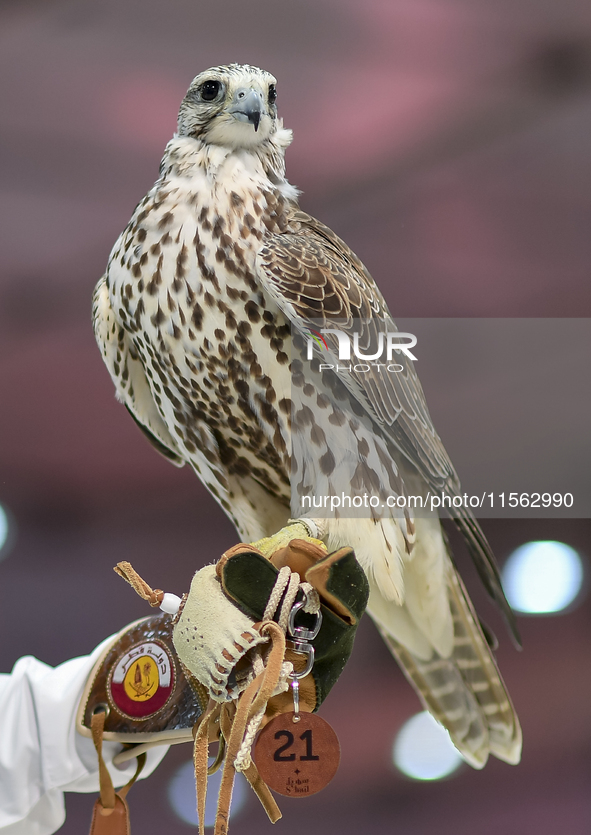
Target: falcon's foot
x: 298, y: 529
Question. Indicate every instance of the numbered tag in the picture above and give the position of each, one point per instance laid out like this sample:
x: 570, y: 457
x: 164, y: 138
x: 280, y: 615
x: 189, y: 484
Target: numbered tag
x: 297, y: 759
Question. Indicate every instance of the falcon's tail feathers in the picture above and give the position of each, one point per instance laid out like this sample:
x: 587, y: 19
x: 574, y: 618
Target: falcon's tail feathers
x: 465, y: 692
x: 486, y: 565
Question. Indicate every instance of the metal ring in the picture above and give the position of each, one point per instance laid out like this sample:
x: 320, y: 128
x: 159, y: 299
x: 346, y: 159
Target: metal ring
x: 300, y: 632
x: 304, y: 649
x: 102, y: 707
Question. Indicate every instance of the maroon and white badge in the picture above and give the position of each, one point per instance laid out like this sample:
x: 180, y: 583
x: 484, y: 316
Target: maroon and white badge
x: 142, y: 680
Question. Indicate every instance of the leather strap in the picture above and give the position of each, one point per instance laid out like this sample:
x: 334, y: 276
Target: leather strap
x: 107, y: 790
x: 233, y: 726
x: 117, y: 823
x: 111, y: 813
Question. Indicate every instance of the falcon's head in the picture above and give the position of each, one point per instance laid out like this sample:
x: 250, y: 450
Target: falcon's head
x: 232, y: 106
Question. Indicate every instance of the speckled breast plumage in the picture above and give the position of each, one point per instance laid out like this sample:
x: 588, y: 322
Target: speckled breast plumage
x: 214, y: 348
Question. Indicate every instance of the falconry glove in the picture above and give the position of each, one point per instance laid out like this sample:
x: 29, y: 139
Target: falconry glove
x: 220, y: 666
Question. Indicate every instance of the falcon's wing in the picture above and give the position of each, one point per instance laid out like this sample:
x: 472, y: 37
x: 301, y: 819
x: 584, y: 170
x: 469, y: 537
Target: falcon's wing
x: 314, y: 277
x: 128, y: 375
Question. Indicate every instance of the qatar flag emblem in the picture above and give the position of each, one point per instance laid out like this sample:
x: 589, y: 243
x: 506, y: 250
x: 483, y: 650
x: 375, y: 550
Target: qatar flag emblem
x: 142, y: 680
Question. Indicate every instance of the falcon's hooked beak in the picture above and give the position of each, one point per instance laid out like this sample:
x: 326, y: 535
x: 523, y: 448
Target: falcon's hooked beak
x: 248, y: 106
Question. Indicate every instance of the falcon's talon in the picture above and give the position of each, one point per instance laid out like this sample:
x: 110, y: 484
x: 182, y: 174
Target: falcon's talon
x: 282, y: 538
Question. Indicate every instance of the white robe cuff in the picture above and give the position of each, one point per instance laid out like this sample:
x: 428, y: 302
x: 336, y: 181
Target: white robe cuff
x: 41, y: 755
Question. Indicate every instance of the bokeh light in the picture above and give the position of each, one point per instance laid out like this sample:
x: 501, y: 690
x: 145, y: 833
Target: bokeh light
x: 4, y: 531
x: 183, y: 799
x: 423, y: 749
x: 543, y: 577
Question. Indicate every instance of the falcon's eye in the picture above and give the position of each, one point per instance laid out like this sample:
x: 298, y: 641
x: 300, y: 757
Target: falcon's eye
x: 272, y: 94
x: 209, y: 90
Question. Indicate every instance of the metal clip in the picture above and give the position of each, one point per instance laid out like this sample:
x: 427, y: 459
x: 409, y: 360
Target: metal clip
x: 299, y: 632
x: 305, y: 649
x: 300, y: 643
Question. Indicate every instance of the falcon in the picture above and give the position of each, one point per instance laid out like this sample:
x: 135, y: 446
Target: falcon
x: 203, y: 317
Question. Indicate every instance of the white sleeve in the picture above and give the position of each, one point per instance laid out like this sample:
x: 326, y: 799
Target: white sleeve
x: 41, y: 754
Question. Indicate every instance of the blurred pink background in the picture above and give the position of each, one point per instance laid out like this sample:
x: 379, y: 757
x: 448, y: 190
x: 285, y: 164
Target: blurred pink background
x: 447, y: 142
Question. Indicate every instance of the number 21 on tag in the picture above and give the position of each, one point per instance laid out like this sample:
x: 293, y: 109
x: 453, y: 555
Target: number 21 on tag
x: 297, y: 760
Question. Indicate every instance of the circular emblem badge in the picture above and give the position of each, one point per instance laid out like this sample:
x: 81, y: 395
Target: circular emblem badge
x: 142, y: 680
